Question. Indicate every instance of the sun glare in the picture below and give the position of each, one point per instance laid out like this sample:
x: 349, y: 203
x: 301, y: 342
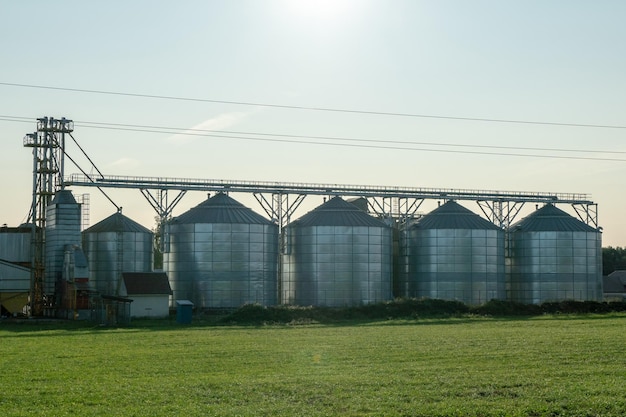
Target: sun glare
x: 318, y: 9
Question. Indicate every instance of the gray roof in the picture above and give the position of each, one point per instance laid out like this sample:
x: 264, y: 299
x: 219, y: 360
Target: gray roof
x: 615, y: 282
x: 117, y: 223
x: 452, y: 215
x: 63, y: 197
x: 220, y: 209
x: 337, y: 212
x: 551, y: 218
x: 619, y: 274
x: 24, y: 228
x: 144, y: 283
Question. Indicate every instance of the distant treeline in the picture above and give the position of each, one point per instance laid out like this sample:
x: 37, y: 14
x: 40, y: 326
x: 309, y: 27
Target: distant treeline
x: 613, y: 259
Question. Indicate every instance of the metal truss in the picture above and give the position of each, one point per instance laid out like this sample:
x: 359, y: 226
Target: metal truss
x: 501, y: 213
x: 160, y: 202
x: 587, y: 213
x: 280, y: 200
x: 279, y: 207
x: 400, y: 208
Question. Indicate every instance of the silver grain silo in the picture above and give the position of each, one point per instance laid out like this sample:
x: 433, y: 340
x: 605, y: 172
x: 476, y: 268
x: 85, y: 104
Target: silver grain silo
x: 553, y: 257
x: 15, y: 244
x: 221, y: 254
x: 62, y: 228
x: 337, y: 255
x: 114, y: 245
x: 454, y: 254
x: 15, y: 262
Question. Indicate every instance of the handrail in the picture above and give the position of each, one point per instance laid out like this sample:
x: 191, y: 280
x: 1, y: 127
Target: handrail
x: 165, y: 183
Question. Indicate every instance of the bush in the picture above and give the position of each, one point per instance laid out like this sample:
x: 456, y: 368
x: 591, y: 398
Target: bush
x: 506, y: 308
x: 409, y: 308
x: 581, y: 307
x: 254, y: 314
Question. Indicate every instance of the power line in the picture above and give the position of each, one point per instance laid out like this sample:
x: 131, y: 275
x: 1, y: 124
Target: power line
x: 321, y: 109
x: 356, y: 143
x: 91, y: 180
x: 223, y: 136
x: 178, y: 130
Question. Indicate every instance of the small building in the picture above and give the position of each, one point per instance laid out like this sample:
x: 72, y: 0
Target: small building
x: 615, y: 286
x: 150, y: 292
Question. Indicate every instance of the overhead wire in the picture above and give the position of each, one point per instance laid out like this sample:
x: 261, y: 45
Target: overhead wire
x: 310, y: 108
x: 352, y: 145
x: 86, y: 156
x: 178, y: 130
x: 64, y: 150
x: 332, y: 141
x: 91, y: 179
x: 118, y: 208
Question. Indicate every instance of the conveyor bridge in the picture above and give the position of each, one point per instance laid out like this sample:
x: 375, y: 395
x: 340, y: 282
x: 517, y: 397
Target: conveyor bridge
x: 281, y: 199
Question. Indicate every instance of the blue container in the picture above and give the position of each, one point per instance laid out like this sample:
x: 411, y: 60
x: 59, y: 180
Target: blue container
x: 184, y: 311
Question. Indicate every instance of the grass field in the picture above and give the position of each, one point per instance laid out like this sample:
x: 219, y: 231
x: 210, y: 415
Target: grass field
x: 570, y: 365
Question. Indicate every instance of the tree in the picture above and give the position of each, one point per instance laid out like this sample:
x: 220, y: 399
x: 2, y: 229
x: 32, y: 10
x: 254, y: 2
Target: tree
x: 613, y: 259
x: 158, y: 243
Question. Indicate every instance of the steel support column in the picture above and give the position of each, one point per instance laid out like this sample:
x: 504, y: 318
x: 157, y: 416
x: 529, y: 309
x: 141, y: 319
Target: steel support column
x: 499, y: 212
x: 587, y: 213
x: 160, y: 203
x: 279, y: 207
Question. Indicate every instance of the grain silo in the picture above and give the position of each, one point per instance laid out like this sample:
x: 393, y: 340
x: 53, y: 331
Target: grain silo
x: 15, y: 263
x: 221, y: 254
x: 337, y: 255
x: 114, y: 245
x: 62, y: 228
x: 15, y: 244
x: 553, y: 257
x: 454, y: 254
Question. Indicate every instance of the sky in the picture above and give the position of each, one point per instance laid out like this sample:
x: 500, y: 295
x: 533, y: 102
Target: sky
x: 262, y: 67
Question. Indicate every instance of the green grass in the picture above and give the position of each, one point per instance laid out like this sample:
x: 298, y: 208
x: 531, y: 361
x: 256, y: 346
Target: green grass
x: 569, y: 365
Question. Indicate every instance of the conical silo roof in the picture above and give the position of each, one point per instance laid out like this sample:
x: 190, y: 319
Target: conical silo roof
x: 452, y: 215
x: 63, y: 197
x: 220, y: 209
x: 117, y: 223
x: 551, y: 218
x: 338, y: 212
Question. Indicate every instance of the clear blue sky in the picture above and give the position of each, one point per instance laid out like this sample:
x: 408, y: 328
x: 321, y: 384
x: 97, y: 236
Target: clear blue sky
x: 549, y: 61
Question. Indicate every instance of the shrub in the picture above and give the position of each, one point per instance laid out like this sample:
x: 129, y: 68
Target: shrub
x: 506, y: 308
x: 409, y: 308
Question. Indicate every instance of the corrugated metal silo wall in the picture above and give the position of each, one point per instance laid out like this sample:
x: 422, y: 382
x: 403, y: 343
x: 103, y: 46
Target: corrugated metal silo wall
x: 223, y: 265
x: 466, y: 265
x: 401, y: 259
x: 554, y: 266
x: 111, y: 253
x: 15, y: 245
x: 62, y: 228
x: 337, y: 266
